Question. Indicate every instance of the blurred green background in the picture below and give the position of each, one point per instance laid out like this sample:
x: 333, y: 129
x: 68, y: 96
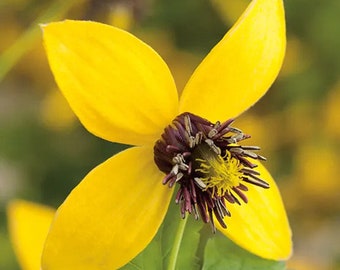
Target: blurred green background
x: 45, y: 152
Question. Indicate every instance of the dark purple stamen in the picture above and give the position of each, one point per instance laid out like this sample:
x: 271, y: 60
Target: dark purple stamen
x: 178, y: 153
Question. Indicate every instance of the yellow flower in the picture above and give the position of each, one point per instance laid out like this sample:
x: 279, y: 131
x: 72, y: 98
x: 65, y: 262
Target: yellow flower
x: 28, y: 224
x: 122, y: 91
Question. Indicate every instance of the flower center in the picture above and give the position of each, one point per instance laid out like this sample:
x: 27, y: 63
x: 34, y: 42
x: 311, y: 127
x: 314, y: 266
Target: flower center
x: 208, y: 164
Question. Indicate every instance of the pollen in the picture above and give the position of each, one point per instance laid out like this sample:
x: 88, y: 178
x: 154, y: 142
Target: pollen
x: 219, y: 173
x: 209, y: 166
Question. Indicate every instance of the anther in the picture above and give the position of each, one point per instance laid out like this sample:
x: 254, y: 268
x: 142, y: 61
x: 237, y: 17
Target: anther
x: 179, y: 176
x: 200, y: 183
x: 198, y: 138
x: 187, y: 124
x: 211, y: 143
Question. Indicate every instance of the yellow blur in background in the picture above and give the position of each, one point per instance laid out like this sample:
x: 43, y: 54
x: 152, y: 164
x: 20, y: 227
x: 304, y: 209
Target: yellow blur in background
x: 45, y: 152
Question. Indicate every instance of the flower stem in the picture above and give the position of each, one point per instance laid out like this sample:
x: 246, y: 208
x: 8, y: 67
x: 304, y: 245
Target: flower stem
x: 177, y: 243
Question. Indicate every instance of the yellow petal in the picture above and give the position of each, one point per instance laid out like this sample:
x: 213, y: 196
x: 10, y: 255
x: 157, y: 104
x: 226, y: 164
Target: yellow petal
x: 118, y: 86
x: 261, y: 226
x: 110, y: 216
x: 28, y: 226
x: 241, y: 67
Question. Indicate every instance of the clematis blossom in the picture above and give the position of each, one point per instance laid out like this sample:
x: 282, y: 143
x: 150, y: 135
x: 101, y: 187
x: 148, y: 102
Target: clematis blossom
x: 122, y: 91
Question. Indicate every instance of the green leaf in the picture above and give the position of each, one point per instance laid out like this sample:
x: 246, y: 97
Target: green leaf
x: 156, y: 254
x: 150, y: 258
x: 221, y: 253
